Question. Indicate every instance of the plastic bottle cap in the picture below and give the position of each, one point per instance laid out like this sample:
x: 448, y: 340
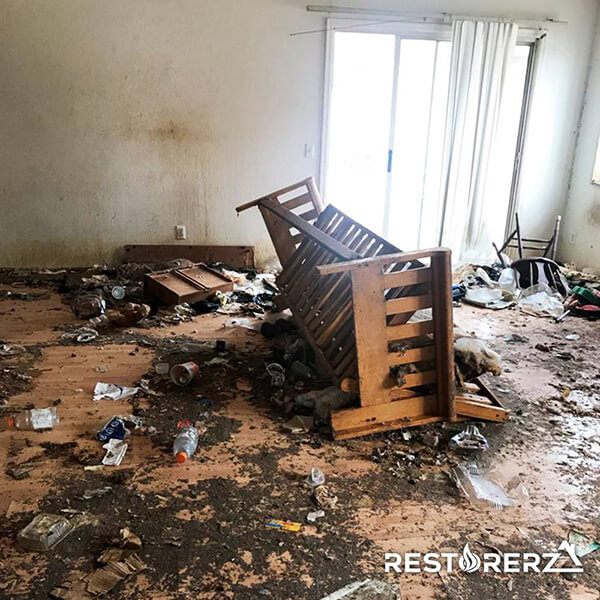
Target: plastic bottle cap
x: 181, y: 457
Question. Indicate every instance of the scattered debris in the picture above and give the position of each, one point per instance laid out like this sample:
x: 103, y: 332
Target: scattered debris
x: 162, y: 368
x: 315, y: 477
x: 115, y: 452
x: 583, y: 544
x: 324, y: 402
x: 185, y: 443
x: 483, y: 492
x: 284, y: 525
x: 112, y: 391
x: 21, y: 471
x: 117, y: 566
x: 324, y: 497
x: 127, y: 539
x: 127, y: 316
x: 45, y: 531
x: 89, y: 494
x: 369, y: 589
x: 184, y: 373
x: 277, y: 373
x: 114, y: 428
x: 314, y: 515
x: 469, y: 441
x: 494, y: 298
x: 540, y: 300
x: 89, y: 304
x: 299, y: 424
x: 36, y: 419
x: 11, y: 349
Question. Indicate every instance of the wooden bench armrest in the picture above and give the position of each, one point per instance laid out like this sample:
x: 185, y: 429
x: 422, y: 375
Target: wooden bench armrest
x: 385, y: 259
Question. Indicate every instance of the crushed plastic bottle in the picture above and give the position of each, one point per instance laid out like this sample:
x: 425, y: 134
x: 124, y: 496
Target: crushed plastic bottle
x: 36, y: 419
x: 469, y: 441
x: 185, y: 444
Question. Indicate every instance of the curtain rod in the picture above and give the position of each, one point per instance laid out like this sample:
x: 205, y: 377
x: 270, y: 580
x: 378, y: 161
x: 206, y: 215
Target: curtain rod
x: 441, y: 16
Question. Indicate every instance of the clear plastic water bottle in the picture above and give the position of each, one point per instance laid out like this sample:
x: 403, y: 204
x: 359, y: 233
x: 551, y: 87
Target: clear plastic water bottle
x: 185, y: 444
x: 35, y: 419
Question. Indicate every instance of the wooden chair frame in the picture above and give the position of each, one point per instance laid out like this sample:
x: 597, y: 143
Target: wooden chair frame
x: 354, y: 297
x: 302, y: 197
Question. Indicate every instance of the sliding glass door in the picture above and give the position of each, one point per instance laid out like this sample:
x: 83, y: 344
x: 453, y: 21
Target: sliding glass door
x: 384, y: 134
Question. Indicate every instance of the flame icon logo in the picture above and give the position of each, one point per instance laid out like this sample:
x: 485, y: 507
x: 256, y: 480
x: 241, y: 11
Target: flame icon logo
x: 469, y: 562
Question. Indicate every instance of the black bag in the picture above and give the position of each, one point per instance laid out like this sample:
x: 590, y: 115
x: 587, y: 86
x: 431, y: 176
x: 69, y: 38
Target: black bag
x: 531, y: 271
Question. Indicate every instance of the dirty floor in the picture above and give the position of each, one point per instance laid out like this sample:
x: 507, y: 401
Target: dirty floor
x: 202, y: 524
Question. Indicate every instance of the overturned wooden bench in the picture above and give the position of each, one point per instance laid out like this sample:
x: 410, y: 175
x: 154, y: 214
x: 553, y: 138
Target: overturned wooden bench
x: 378, y: 318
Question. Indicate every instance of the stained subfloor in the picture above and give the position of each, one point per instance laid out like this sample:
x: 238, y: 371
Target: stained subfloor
x: 202, y: 524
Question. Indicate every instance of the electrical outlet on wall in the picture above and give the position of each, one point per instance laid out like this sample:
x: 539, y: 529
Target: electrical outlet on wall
x: 180, y: 233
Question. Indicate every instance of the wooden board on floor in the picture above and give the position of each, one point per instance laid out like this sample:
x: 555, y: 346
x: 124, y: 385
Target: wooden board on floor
x: 186, y: 285
x: 408, y: 412
x: 478, y: 401
x: 238, y: 257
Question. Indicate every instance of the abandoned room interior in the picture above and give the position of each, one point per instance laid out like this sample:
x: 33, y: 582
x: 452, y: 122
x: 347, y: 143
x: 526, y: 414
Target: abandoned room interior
x: 300, y: 301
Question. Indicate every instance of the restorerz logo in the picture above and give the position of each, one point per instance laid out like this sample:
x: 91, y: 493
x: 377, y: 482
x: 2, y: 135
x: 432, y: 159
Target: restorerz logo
x: 564, y: 560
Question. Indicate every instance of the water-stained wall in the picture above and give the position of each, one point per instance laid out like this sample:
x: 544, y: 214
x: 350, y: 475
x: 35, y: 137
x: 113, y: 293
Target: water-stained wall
x: 120, y: 119
x: 581, y: 231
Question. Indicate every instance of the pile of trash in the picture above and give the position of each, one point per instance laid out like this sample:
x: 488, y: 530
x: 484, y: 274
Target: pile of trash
x: 538, y: 286
x: 118, y: 297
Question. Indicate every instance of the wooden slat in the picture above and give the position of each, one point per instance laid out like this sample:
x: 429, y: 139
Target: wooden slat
x: 348, y: 368
x: 474, y: 397
x: 322, y: 360
x: 408, y: 330
x: 375, y: 427
x: 443, y: 338
x: 310, y: 215
x: 382, y: 417
x: 369, y: 325
x: 408, y: 277
x: 309, y: 230
x: 476, y: 410
x: 309, y: 183
x: 280, y: 236
x: 297, y: 202
x: 316, y: 196
x: 381, y: 259
x: 408, y: 304
x: 411, y: 355
x: 415, y: 379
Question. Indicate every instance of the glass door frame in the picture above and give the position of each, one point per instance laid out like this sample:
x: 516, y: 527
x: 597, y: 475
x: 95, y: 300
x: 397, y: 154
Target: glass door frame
x: 438, y: 32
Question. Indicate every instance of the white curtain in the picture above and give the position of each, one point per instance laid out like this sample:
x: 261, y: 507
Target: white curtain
x: 481, y: 55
